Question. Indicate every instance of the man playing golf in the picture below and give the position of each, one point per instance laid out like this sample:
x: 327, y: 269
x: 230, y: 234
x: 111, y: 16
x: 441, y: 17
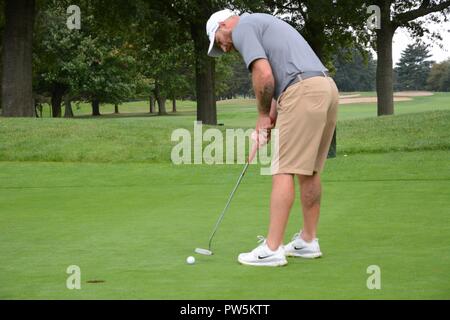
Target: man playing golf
x: 293, y: 92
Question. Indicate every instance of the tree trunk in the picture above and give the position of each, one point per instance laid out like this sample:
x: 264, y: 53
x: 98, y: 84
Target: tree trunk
x: 204, y: 76
x: 385, y: 90
x: 160, y: 99
x: 162, y: 106
x: 57, y: 97
x: 174, y: 105
x: 17, y: 87
x: 35, y: 104
x: 152, y: 104
x: 38, y: 110
x: 68, y: 112
x: 96, y: 108
x: 116, y: 108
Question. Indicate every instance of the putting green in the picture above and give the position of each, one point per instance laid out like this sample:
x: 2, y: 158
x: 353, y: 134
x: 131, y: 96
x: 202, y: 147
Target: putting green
x: 133, y: 225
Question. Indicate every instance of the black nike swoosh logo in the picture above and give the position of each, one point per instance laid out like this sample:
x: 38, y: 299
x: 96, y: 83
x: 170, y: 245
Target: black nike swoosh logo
x: 264, y: 257
x: 296, y: 248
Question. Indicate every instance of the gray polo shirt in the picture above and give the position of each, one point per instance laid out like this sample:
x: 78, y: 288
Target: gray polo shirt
x: 261, y: 35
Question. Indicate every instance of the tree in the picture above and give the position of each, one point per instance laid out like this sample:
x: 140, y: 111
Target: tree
x: 172, y: 71
x: 108, y: 73
x: 413, y: 68
x: 17, y: 92
x: 192, y: 15
x: 225, y: 76
x: 87, y: 64
x: 395, y: 14
x: 354, y: 71
x: 439, y: 77
x: 2, y: 28
x: 55, y: 50
x: 232, y: 77
x: 162, y: 48
x: 327, y: 25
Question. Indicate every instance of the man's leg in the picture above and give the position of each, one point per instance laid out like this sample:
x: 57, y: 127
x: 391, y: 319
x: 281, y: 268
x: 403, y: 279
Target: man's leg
x: 282, y: 198
x: 311, y: 191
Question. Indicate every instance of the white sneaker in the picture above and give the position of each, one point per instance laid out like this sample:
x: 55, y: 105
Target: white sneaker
x: 263, y: 256
x: 300, y: 248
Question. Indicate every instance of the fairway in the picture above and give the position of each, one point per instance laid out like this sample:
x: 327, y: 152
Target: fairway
x: 103, y: 195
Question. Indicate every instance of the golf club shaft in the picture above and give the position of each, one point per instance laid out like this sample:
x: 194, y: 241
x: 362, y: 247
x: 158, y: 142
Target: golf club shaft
x: 228, y: 203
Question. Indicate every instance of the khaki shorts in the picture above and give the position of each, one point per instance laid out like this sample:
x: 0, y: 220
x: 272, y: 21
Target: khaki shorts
x: 307, y: 114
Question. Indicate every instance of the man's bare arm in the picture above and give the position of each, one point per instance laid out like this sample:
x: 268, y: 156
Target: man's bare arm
x: 263, y: 85
x: 273, y: 112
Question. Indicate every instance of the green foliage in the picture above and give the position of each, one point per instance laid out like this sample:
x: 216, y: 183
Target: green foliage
x: 439, y: 77
x: 401, y: 11
x: 88, y: 63
x: 55, y: 48
x: 163, y: 49
x: 2, y: 26
x: 108, y: 73
x: 413, y: 68
x: 353, y: 71
x: 327, y: 25
x: 232, y: 77
x: 171, y: 67
x: 2, y: 20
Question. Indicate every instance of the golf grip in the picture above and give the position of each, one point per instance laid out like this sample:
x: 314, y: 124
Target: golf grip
x: 252, y: 153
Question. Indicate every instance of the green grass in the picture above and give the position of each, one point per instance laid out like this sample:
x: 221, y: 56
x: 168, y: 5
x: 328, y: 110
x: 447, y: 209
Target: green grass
x: 141, y: 137
x: 439, y: 101
x: 102, y: 194
x: 241, y: 112
x: 149, y: 139
x: 133, y: 225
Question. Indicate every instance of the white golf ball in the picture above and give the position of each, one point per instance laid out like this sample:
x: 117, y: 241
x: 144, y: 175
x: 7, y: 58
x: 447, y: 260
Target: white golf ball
x: 190, y: 260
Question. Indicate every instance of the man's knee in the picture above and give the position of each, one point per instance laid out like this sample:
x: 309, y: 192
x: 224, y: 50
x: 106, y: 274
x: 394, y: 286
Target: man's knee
x: 311, y: 197
x: 305, y: 180
x: 310, y: 190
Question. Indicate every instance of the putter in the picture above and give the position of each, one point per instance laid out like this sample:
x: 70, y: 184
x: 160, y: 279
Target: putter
x: 208, y: 252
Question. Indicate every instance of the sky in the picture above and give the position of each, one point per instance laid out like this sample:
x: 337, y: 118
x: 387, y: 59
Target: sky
x: 402, y: 39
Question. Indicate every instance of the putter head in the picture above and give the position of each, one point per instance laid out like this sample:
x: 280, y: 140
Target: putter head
x: 203, y: 252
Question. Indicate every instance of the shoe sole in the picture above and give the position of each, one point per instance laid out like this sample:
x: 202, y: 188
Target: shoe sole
x: 305, y: 256
x: 264, y: 264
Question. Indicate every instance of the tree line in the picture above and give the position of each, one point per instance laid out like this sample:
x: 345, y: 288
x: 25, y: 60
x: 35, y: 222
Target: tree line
x: 129, y: 49
x: 414, y: 71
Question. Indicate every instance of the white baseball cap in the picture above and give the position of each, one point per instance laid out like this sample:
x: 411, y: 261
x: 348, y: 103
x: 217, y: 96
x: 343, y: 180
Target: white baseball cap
x: 211, y: 27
